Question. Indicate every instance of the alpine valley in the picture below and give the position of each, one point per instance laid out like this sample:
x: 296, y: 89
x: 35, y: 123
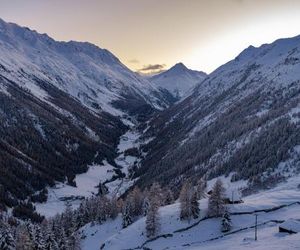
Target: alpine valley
x: 95, y: 156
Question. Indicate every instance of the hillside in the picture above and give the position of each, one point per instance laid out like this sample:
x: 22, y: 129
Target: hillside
x: 64, y: 106
x: 205, y: 233
x: 243, y: 118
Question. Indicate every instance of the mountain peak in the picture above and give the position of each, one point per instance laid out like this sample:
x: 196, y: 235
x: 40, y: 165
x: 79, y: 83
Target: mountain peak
x: 178, y: 67
x: 178, y: 80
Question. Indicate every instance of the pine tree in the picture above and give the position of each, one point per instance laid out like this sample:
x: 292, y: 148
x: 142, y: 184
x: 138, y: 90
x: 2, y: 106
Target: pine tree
x: 39, y: 238
x: 7, y: 241
x: 195, y: 206
x: 68, y: 220
x: 152, y: 222
x: 226, y: 222
x: 23, y: 240
x: 104, y: 209
x: 113, y: 208
x: 126, y: 214
x: 216, y: 204
x: 168, y: 197
x: 50, y: 241
x: 146, y: 205
x: 74, y: 242
x: 62, y: 241
x: 200, y: 189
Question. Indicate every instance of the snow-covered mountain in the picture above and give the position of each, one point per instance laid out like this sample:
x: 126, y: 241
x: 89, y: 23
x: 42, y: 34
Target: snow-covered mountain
x: 90, y: 74
x: 62, y: 108
x: 243, y: 118
x: 178, y: 80
x: 66, y: 109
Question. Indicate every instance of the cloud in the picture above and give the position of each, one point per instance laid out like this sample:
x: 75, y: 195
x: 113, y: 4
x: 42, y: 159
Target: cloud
x: 152, y: 68
x: 134, y: 61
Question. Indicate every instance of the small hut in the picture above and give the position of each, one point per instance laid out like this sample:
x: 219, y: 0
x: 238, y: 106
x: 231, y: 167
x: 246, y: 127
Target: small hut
x: 290, y: 226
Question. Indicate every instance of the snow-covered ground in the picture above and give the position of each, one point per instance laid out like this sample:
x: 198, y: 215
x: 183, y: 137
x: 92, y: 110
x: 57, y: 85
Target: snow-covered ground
x: 206, y: 234
x: 62, y: 193
x: 129, y: 140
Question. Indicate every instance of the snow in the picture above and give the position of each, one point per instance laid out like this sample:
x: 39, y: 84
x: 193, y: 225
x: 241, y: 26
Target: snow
x: 62, y: 194
x: 129, y: 140
x: 206, y: 234
x: 178, y: 80
x: 291, y: 225
x: 233, y: 189
x: 269, y: 239
x: 84, y: 71
x: 95, y: 235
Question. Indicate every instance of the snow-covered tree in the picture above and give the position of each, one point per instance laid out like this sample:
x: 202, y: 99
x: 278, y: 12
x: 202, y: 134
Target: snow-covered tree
x: 146, y: 205
x: 50, y: 241
x: 126, y: 214
x: 68, y: 220
x: 200, y: 188
x: 23, y: 240
x: 38, y: 237
x: 74, y: 242
x: 195, y: 205
x: 226, y: 222
x: 7, y: 241
x: 216, y: 206
x: 152, y: 220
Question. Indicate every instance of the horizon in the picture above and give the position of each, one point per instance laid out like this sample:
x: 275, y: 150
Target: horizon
x: 203, y: 35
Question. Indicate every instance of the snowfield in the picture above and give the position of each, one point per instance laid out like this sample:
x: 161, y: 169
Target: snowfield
x: 281, y: 203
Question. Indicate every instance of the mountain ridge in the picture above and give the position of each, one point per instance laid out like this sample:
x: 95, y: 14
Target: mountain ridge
x: 227, y: 120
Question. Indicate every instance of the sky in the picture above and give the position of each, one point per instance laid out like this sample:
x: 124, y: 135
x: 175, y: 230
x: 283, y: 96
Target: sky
x: 153, y: 35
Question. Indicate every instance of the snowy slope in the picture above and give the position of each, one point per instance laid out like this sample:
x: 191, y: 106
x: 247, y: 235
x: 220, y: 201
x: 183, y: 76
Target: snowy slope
x: 178, y: 80
x: 224, y: 124
x: 206, y: 234
x: 63, y: 108
x: 90, y: 74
